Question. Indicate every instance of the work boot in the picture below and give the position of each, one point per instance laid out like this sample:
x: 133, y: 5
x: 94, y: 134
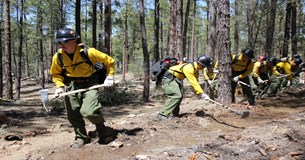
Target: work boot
x: 79, y: 143
x: 105, y: 134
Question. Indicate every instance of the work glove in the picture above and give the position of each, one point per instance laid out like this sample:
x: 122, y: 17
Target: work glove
x: 260, y: 81
x: 236, y: 79
x: 204, y: 96
x: 109, y: 81
x: 215, y: 71
x: 59, y: 91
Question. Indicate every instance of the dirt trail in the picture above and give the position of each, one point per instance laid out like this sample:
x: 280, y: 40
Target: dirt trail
x: 274, y: 130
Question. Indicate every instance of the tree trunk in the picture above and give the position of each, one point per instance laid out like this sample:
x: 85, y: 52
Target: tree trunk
x: 173, y: 28
x: 108, y: 28
x: 101, y: 24
x: 236, y: 28
x: 145, y: 53
x: 224, y: 52
x: 7, y: 67
x: 40, y: 45
x: 185, y: 28
x: 1, y: 53
x: 179, y: 28
x: 125, y: 51
x: 20, y: 42
x: 287, y: 30
x: 156, y: 30
x: 270, y: 28
x: 156, y: 36
x: 78, y: 19
x: 86, y: 20
x: 294, y: 40
x: 94, y: 23
x: 193, y: 32
x: 212, y: 35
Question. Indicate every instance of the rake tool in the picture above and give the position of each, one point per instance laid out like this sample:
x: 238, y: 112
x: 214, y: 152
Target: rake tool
x: 243, y: 114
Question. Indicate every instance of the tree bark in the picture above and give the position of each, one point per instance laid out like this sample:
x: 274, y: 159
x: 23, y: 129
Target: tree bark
x: 7, y: 67
x: 287, y: 30
x: 94, y: 23
x: 78, y: 19
x: 185, y: 28
x: 193, y: 32
x: 40, y: 45
x: 173, y: 28
x: 236, y: 28
x: 19, y: 55
x: 270, y: 28
x: 179, y: 28
x: 212, y: 35
x: 125, y: 51
x: 156, y: 36
x: 108, y: 25
x: 294, y: 40
x: 101, y: 24
x: 145, y: 53
x: 224, y: 52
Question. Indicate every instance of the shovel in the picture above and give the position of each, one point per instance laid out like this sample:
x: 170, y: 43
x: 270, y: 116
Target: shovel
x: 243, y: 114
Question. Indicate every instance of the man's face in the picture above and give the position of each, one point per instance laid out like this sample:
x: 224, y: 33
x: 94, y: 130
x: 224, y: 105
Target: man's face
x: 245, y: 58
x: 200, y: 66
x: 68, y: 46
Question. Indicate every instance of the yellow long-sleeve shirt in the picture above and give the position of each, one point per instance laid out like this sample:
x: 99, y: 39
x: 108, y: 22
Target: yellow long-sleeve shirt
x: 78, y: 67
x: 208, y: 72
x: 190, y: 72
x: 262, y: 68
x: 242, y: 66
x: 285, y: 68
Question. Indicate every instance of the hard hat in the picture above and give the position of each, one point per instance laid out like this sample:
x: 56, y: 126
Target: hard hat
x: 205, y: 61
x: 248, y: 52
x: 65, y: 34
x: 297, y: 61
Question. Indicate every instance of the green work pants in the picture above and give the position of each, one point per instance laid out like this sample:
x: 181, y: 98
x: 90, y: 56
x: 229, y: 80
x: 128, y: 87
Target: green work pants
x: 83, y: 105
x: 173, y: 91
x: 247, y: 91
x: 275, y: 84
x: 212, y: 88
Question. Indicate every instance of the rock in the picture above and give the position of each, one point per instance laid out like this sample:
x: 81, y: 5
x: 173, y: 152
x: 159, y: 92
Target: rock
x: 116, y: 144
x: 3, y: 117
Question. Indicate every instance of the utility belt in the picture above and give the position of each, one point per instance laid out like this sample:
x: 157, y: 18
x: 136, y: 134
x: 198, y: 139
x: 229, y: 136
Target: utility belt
x: 92, y: 78
x: 172, y: 77
x: 79, y: 79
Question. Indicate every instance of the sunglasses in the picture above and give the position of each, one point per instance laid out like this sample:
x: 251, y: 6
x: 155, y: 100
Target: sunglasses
x: 63, y: 42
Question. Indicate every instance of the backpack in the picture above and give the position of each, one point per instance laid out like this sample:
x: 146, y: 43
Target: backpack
x: 236, y: 58
x: 158, y: 69
x: 99, y: 67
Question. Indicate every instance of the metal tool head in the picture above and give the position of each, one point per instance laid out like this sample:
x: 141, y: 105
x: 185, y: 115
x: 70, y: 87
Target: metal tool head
x: 245, y: 114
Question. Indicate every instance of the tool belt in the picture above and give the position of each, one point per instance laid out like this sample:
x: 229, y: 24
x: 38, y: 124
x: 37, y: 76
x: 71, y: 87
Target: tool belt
x: 93, y: 77
x: 79, y: 79
x: 172, y: 77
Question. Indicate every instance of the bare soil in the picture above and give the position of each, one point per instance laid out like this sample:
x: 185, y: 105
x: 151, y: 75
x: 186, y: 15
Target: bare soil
x: 274, y: 130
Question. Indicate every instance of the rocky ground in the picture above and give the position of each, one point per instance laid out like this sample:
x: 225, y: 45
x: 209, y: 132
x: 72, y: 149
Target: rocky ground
x: 274, y: 130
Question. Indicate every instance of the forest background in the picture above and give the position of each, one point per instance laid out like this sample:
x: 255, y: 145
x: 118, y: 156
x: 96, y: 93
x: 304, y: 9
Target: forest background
x: 138, y: 32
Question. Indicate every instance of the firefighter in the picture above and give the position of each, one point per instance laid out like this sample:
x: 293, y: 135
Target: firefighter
x: 80, y: 75
x: 264, y: 73
x: 172, y: 85
x: 242, y: 67
x: 289, y: 69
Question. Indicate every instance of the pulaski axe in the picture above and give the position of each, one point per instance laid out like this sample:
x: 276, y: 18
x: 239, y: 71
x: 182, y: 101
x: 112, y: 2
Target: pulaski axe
x: 45, y: 97
x: 243, y: 114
